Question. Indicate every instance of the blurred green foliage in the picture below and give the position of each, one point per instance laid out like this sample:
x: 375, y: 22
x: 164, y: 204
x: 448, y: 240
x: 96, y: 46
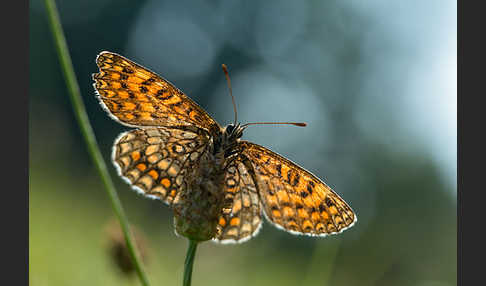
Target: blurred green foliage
x: 407, y: 218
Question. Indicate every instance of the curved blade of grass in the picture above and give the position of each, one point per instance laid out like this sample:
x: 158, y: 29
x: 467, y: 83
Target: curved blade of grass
x: 191, y: 253
x: 88, y: 134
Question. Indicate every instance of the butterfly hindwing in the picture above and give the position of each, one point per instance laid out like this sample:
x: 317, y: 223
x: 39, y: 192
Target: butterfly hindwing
x: 241, y: 218
x: 293, y: 198
x: 158, y: 161
x: 136, y: 96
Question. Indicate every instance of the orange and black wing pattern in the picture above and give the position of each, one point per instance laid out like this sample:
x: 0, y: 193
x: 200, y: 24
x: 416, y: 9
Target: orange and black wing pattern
x: 159, y: 162
x: 241, y: 218
x: 294, y: 199
x: 136, y: 96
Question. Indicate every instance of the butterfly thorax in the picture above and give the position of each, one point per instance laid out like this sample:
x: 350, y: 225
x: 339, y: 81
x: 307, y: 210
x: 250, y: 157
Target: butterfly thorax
x: 200, y: 205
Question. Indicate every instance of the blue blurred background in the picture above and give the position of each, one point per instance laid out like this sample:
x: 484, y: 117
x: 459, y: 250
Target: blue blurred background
x: 374, y: 80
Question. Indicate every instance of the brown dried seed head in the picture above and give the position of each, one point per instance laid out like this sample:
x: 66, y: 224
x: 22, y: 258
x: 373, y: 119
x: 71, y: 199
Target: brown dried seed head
x: 118, y: 250
x: 197, y: 214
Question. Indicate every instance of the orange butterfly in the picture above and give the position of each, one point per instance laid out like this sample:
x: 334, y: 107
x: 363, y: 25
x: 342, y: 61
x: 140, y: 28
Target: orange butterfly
x: 217, y: 184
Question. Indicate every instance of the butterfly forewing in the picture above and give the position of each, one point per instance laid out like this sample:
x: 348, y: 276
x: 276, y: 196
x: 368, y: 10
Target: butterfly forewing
x: 241, y: 217
x: 293, y: 198
x: 136, y: 96
x: 158, y: 162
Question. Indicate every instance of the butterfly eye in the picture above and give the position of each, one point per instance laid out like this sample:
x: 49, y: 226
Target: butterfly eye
x: 230, y: 128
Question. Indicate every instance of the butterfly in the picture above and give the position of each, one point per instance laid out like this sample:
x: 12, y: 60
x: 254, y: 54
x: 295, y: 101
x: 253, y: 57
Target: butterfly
x: 218, y: 185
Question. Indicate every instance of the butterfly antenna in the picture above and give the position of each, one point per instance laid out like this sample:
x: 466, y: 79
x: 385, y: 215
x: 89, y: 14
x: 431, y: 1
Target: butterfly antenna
x: 225, y: 69
x: 300, y: 124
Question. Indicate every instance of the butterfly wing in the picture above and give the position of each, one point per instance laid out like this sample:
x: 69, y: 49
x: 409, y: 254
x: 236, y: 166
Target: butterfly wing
x: 293, y: 198
x: 136, y: 96
x: 241, y: 219
x: 158, y: 162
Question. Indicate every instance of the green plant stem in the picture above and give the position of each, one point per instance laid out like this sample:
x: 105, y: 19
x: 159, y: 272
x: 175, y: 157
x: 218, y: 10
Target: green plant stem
x: 88, y: 134
x: 191, y: 253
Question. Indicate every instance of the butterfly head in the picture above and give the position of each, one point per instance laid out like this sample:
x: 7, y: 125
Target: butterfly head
x: 230, y: 137
x: 233, y: 132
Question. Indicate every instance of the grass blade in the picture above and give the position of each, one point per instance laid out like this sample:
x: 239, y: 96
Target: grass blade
x: 88, y: 134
